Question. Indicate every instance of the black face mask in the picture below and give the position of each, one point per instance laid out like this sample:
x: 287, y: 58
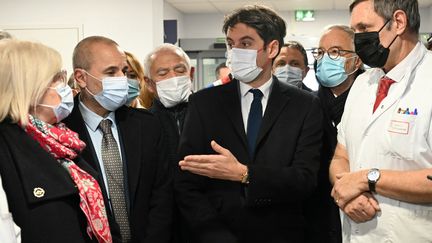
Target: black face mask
x: 368, y: 47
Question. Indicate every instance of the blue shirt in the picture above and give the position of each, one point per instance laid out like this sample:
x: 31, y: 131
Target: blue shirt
x: 92, y: 121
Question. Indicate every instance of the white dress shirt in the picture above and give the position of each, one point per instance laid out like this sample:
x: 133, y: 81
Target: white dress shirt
x: 391, y: 139
x: 247, y: 98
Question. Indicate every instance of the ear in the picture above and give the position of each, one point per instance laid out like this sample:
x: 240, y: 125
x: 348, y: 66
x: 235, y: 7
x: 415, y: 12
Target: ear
x: 150, y: 84
x: 273, y: 49
x: 191, y: 73
x: 306, y: 71
x: 400, y: 20
x: 358, y: 62
x: 80, y: 78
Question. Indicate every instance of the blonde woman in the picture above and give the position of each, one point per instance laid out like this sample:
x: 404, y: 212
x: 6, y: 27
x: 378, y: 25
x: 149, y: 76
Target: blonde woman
x: 139, y: 96
x: 50, y: 196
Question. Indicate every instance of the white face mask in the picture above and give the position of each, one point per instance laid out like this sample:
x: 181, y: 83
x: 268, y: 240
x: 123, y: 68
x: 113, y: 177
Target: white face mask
x: 290, y: 75
x: 114, y: 92
x: 242, y: 63
x: 174, y: 90
x: 66, y: 105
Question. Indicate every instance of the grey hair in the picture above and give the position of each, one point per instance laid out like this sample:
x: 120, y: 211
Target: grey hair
x: 5, y: 35
x: 344, y: 28
x: 386, y: 8
x: 148, y: 61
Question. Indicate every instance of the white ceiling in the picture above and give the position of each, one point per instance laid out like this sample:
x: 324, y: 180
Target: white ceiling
x: 225, y: 6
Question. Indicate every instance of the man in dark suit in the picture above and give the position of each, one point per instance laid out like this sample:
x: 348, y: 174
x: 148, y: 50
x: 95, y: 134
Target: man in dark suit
x: 144, y: 211
x: 249, y: 149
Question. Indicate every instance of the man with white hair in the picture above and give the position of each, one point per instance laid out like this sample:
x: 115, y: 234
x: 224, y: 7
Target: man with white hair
x: 168, y: 75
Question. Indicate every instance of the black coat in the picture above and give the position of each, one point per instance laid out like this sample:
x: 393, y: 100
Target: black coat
x: 322, y: 214
x: 148, y: 181
x: 172, y: 121
x: 282, y: 172
x: 25, y: 168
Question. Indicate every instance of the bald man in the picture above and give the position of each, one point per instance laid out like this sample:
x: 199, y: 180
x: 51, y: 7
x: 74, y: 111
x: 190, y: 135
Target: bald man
x: 139, y: 191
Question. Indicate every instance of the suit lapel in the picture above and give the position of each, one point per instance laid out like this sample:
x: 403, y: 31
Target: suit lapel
x: 130, y: 138
x: 76, y: 123
x: 230, y: 103
x: 277, y: 101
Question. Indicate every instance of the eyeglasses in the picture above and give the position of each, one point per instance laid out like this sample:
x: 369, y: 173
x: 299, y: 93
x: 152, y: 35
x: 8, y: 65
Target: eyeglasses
x: 334, y: 53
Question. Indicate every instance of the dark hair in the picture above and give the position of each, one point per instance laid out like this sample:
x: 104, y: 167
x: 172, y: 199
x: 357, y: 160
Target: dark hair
x: 296, y: 45
x: 219, y: 67
x: 386, y: 8
x: 267, y: 23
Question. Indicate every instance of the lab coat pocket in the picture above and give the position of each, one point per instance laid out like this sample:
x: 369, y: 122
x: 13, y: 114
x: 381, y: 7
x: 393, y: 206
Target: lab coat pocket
x: 401, y: 134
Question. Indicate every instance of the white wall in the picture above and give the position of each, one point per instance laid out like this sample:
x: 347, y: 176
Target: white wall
x: 137, y: 25
x: 203, y: 25
x: 426, y: 20
x: 210, y: 25
x: 171, y: 13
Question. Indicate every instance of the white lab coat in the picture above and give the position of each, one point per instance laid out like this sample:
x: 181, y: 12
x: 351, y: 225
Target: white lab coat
x: 9, y: 232
x: 387, y: 139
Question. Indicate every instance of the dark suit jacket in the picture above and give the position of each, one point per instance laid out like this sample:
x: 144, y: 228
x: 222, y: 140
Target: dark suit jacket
x: 25, y: 165
x: 282, y: 172
x: 172, y: 120
x: 148, y: 181
x: 322, y: 214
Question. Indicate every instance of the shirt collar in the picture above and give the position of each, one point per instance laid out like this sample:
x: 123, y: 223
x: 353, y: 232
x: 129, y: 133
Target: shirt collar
x: 265, y: 88
x: 92, y: 119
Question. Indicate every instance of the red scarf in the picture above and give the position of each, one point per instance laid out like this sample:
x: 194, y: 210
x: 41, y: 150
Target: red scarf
x: 65, y: 145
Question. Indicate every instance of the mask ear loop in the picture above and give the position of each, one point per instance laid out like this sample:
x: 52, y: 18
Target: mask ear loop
x: 393, y: 38
x: 384, y: 25
x: 36, y: 104
x: 392, y: 41
x: 86, y: 88
x: 355, y: 70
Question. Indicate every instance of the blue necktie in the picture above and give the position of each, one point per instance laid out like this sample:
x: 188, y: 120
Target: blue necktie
x: 254, y: 120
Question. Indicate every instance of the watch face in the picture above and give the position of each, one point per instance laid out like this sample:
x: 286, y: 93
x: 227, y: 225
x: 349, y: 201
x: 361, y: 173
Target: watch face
x: 373, y: 175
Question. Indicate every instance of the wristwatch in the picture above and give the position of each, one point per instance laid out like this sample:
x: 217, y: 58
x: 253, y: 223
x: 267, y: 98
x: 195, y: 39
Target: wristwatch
x: 373, y: 177
x: 245, y: 177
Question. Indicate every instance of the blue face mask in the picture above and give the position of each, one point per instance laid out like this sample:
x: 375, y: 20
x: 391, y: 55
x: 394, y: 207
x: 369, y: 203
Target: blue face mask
x: 113, y: 94
x: 331, y: 73
x: 66, y: 105
x: 134, y: 90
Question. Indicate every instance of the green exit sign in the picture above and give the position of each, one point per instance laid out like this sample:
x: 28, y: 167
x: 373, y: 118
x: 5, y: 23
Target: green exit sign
x: 304, y: 15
